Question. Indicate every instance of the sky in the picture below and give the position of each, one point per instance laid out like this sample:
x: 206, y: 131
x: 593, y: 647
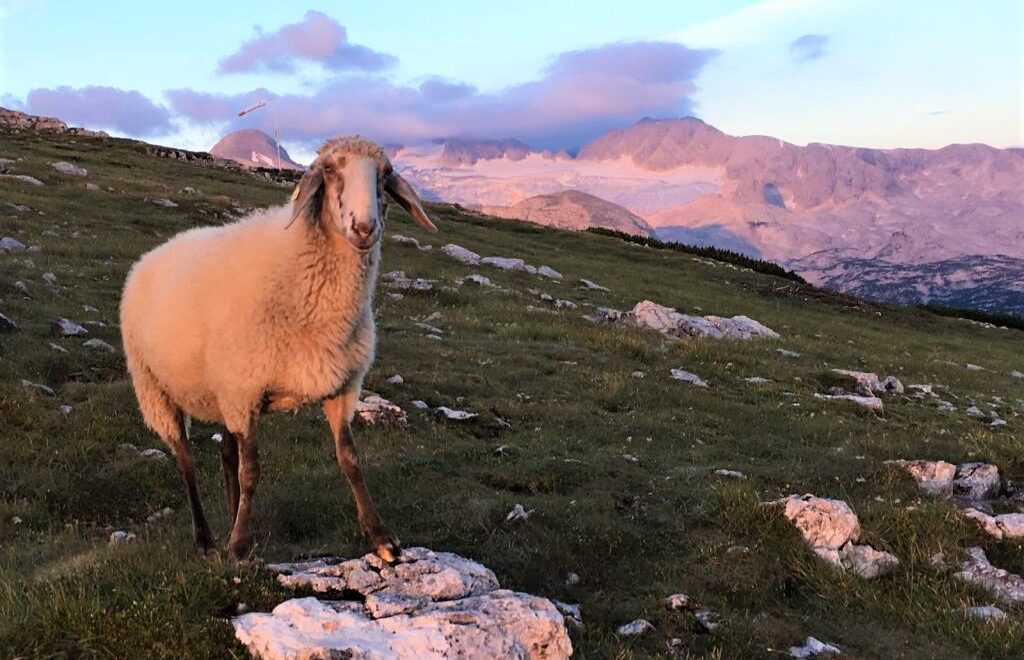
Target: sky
x: 872, y: 73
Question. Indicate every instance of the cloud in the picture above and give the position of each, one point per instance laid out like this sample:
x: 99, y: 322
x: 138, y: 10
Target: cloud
x: 126, y: 111
x: 758, y: 22
x: 808, y: 47
x: 316, y: 38
x: 581, y: 94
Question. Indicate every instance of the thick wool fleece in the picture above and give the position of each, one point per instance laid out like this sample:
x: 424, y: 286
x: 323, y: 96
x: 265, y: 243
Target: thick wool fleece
x: 220, y: 322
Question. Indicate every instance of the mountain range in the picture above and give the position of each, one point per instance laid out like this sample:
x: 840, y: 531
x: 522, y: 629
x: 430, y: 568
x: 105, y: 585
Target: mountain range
x: 908, y: 225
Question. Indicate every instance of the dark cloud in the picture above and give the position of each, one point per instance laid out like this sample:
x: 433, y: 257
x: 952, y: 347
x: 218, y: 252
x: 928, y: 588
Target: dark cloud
x: 316, y: 38
x: 808, y: 47
x: 581, y: 94
x: 126, y: 111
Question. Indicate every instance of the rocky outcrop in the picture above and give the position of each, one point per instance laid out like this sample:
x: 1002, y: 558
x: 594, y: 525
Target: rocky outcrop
x: 1003, y: 585
x: 669, y: 322
x: 12, y: 119
x: 430, y: 605
x: 972, y: 481
x: 831, y: 529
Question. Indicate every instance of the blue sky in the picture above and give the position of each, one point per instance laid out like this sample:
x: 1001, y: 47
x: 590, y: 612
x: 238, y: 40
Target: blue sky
x: 862, y: 72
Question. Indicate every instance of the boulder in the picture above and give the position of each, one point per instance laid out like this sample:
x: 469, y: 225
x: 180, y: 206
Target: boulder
x: 933, y: 477
x: 1001, y: 526
x: 509, y: 264
x: 869, y: 402
x: 549, y: 272
x: 647, y: 314
x: 430, y: 605
x: 461, y: 254
x: 813, y: 647
x: 376, y: 410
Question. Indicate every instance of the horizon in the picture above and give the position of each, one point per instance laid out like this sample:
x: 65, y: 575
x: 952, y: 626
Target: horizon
x: 850, y: 72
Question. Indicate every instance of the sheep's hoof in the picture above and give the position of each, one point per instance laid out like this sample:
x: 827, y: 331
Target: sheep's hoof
x: 240, y: 550
x: 388, y: 549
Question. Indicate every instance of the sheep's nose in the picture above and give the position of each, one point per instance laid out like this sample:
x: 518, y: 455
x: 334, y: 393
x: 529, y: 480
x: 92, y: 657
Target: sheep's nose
x: 362, y: 229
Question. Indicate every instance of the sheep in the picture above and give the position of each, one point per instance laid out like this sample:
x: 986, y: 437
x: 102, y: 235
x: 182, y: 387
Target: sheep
x: 225, y: 323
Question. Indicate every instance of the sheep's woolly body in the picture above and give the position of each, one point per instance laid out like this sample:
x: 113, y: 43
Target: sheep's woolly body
x: 221, y: 321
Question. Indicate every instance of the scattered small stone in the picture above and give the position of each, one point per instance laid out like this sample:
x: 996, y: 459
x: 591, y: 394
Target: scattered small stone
x: 869, y: 402
x: 50, y: 279
x: 67, y: 328
x: 631, y: 458
x: 58, y: 348
x: 592, y: 286
x: 121, y: 538
x: 479, y: 280
x: 509, y: 264
x: 65, y: 167
x: 933, y: 477
x: 91, y: 186
x: 24, y: 178
x: 395, y: 380
x: 65, y: 409
x: 573, y: 613
x: 157, y: 455
x: 677, y: 602
x: 11, y: 244
x: 398, y: 279
x: 974, y: 367
x: 784, y: 352
x: 986, y: 612
x: 635, y: 627
x: 7, y: 325
x: 1017, y: 374
x: 549, y: 272
x: 161, y: 201
x: 409, y: 240
x: 16, y: 520
x: 638, y: 374
x: 18, y: 208
x: 156, y: 516
x: 455, y: 415
x: 375, y: 410
x: 813, y: 647
x: 688, y: 377
x: 565, y: 304
x: 572, y: 579
x: 48, y: 391
x: 461, y: 254
x: 757, y: 380
x: 421, y: 405
x: 731, y: 474
x: 974, y: 411
x: 99, y: 345
x: 707, y: 620
x: 977, y: 481
x: 518, y: 513
x: 89, y: 308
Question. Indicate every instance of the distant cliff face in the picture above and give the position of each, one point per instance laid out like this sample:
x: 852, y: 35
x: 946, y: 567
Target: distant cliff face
x: 572, y: 209
x: 253, y: 148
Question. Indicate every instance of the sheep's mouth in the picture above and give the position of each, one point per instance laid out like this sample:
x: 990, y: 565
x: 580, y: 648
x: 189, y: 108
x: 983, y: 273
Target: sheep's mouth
x: 364, y: 244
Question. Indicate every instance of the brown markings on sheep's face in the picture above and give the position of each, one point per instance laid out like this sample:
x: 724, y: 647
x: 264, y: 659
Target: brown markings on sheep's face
x: 353, y: 197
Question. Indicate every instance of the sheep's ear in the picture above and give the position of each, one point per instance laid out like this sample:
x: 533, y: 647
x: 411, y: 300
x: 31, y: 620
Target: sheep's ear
x: 402, y: 192
x: 309, y: 187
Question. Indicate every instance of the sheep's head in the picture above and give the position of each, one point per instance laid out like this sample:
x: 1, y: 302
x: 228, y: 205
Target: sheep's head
x: 344, y: 190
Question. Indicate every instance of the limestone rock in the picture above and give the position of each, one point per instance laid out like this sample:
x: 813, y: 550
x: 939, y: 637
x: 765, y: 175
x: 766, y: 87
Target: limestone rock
x: 121, y: 538
x: 409, y: 240
x: 977, y: 481
x: 24, y: 178
x: 988, y: 612
x: 1003, y: 585
x: 587, y: 285
x: 461, y: 254
x: 39, y: 387
x: 869, y: 402
x: 824, y: 523
x: 1001, y: 526
x: 933, y: 477
x: 11, y: 244
x: 813, y: 647
x: 444, y: 412
x: 688, y: 377
x: 65, y: 167
x: 161, y: 201
x: 510, y: 264
x: 549, y: 272
x: 647, y: 314
x: 67, y: 328
x: 376, y: 410
x: 99, y: 345
x: 430, y: 605
x: 635, y: 627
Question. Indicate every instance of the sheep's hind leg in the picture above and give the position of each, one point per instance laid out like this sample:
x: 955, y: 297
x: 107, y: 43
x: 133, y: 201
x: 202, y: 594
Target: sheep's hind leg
x: 179, y: 444
x: 339, y: 411
x: 240, y: 543
x: 229, y: 463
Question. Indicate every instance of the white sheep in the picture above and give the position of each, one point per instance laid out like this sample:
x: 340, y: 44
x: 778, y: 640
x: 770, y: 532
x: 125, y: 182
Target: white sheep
x: 224, y: 323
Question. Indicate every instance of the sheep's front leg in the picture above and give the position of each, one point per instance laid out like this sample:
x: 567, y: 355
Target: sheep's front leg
x: 339, y: 411
x: 240, y: 543
x: 179, y: 444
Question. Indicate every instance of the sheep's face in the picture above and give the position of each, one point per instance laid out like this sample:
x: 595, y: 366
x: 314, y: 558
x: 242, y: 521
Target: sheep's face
x: 353, y: 202
x: 343, y: 191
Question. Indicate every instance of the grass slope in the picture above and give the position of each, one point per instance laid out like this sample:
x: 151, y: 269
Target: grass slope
x: 634, y: 532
